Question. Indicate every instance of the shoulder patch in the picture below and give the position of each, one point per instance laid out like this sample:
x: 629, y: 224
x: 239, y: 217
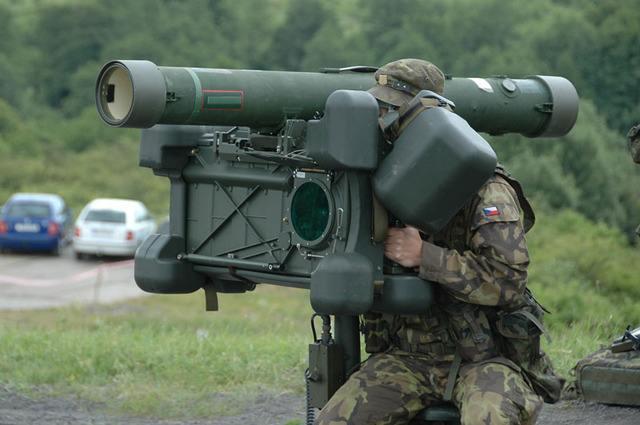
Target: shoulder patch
x: 491, y: 211
x: 497, y: 203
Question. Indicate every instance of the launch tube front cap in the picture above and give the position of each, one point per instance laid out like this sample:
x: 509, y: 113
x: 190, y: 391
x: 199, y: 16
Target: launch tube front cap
x: 130, y: 93
x: 565, y: 106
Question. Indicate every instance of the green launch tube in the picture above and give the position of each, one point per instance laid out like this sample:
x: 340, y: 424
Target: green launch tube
x: 139, y: 94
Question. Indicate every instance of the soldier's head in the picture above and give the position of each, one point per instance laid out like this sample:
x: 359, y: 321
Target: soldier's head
x: 399, y: 81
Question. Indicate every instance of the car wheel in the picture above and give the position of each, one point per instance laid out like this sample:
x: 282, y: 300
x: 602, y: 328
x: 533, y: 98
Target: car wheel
x: 80, y: 256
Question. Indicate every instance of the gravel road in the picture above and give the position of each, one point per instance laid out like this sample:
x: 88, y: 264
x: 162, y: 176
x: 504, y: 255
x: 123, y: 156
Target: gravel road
x: 31, y: 281
x: 276, y: 409
x: 17, y: 409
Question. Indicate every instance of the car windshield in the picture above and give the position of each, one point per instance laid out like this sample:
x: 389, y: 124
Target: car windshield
x: 29, y: 209
x: 106, y: 216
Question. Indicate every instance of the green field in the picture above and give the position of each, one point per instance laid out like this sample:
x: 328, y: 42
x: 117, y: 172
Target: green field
x: 162, y: 355
x: 165, y: 356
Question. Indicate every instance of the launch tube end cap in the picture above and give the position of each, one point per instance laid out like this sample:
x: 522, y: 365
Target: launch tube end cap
x: 565, y: 106
x: 130, y: 93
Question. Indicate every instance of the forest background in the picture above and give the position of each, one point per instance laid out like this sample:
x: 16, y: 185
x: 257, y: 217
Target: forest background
x: 585, y: 189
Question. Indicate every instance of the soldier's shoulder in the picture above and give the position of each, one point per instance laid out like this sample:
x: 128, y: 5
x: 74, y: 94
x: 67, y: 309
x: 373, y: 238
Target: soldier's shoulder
x: 496, y: 202
x: 497, y: 189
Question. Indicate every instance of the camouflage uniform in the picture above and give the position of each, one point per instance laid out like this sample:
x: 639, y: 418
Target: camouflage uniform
x: 479, y: 261
x: 633, y: 138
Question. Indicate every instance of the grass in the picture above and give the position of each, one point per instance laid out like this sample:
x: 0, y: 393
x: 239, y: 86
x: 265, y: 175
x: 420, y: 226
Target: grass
x: 165, y: 356
x: 162, y: 355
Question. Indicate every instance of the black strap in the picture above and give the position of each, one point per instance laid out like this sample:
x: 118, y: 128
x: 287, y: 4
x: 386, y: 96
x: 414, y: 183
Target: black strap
x: 453, y: 375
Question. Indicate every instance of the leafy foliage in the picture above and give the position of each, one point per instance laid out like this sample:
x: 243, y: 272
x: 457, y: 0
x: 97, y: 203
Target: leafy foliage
x: 50, y: 52
x: 584, y: 272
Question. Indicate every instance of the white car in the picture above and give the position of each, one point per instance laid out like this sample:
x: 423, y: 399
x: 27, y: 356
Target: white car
x: 112, y: 227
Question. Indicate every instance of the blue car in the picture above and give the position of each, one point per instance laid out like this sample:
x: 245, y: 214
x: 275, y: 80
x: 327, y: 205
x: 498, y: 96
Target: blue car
x: 35, y: 222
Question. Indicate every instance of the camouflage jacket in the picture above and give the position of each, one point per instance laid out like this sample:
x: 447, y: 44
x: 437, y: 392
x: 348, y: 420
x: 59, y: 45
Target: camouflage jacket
x: 479, y: 261
x: 482, y: 307
x: 481, y: 256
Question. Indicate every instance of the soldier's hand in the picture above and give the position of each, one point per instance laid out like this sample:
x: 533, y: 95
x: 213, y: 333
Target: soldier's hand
x: 404, y: 246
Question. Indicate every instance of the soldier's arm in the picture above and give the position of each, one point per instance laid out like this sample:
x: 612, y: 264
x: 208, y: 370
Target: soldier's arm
x: 494, y: 270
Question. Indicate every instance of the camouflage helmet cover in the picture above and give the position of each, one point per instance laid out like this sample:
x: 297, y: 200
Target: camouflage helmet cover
x: 400, y: 80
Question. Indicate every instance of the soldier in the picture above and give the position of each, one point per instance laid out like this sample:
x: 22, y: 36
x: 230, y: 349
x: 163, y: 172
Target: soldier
x: 633, y: 138
x: 478, y: 344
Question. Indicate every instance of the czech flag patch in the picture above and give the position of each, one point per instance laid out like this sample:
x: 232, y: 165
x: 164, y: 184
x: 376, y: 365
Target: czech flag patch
x: 491, y: 211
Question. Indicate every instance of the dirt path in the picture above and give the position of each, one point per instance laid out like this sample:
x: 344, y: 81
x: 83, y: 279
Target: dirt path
x: 580, y: 413
x: 16, y: 409
x: 31, y: 281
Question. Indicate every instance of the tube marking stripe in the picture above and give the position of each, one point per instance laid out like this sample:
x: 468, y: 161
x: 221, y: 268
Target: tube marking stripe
x: 222, y: 100
x: 197, y: 99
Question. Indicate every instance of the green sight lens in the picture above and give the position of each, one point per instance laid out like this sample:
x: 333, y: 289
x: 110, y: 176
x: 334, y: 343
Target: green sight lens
x: 310, y: 211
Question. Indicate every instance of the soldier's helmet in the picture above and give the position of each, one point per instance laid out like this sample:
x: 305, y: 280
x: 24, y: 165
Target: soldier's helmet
x: 633, y: 138
x: 399, y: 81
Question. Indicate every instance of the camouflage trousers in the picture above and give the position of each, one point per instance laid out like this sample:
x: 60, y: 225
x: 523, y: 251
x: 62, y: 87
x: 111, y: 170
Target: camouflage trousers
x: 391, y: 389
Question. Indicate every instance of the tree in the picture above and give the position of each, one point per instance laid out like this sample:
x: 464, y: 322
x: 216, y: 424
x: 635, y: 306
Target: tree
x: 67, y: 36
x: 303, y: 19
